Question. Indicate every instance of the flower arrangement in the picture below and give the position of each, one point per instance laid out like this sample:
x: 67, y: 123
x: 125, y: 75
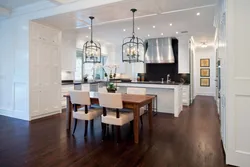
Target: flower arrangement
x: 111, y: 87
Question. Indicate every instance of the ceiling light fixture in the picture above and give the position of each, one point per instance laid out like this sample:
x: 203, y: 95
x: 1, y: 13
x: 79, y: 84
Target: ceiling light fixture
x: 91, y: 49
x: 162, y: 34
x: 203, y: 45
x: 170, y: 24
x: 198, y: 14
x: 133, y: 46
x: 153, y: 26
x: 148, y: 35
x: 124, y: 30
x: 177, y: 32
x: 90, y: 28
x: 138, y: 28
x: 87, y: 36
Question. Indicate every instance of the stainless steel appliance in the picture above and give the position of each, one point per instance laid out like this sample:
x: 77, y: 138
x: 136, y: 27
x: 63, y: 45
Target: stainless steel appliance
x: 159, y: 50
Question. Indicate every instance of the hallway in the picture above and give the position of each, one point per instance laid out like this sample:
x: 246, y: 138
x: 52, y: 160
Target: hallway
x: 192, y: 140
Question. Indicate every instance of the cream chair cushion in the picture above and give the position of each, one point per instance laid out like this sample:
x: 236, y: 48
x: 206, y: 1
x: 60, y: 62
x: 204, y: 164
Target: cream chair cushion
x: 138, y: 91
x: 111, y: 100
x: 110, y: 118
x: 92, y: 114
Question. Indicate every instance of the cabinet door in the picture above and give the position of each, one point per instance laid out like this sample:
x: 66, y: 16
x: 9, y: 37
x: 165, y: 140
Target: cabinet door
x: 55, y: 78
x: 183, y: 56
x: 34, y: 77
x: 44, y: 78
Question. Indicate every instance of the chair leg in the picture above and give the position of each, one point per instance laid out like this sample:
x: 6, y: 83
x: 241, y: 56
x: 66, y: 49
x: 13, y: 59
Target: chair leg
x: 74, y: 127
x: 118, y: 133
x: 141, y: 120
x: 113, y: 130
x: 86, y: 128
x: 92, y: 123
x: 132, y: 127
x: 103, y: 130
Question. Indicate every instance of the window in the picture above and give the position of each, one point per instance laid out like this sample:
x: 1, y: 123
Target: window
x: 87, y: 68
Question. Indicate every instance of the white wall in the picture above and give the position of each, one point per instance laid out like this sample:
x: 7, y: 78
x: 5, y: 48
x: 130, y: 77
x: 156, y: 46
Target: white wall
x: 14, y: 65
x: 201, y: 53
x: 14, y: 53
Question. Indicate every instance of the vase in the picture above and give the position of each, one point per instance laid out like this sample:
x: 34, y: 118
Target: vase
x: 111, y: 91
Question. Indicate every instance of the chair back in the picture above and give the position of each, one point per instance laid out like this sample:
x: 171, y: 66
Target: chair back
x: 102, y: 89
x: 80, y: 97
x: 137, y: 91
x: 111, y: 100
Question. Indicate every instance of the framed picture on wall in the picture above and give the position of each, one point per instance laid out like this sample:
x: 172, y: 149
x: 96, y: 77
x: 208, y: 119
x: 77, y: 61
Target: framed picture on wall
x: 205, y: 63
x: 205, y: 82
x: 205, y: 72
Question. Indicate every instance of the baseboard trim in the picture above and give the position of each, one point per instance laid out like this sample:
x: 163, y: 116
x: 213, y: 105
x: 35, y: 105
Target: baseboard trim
x: 13, y: 114
x: 45, y: 115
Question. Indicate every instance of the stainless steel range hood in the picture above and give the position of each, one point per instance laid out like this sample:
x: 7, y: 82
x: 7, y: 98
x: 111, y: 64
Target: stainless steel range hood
x: 159, y: 50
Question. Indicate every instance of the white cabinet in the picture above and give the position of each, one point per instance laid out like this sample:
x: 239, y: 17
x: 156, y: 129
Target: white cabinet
x: 186, y: 95
x: 183, y: 55
x: 45, y: 71
x: 68, y: 58
x: 64, y: 91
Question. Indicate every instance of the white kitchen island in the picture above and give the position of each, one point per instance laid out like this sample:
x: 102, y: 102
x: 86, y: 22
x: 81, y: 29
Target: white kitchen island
x: 169, y: 96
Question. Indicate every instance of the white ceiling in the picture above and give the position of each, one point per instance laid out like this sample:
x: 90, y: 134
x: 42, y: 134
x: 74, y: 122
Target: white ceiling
x: 112, y: 19
x: 12, y: 4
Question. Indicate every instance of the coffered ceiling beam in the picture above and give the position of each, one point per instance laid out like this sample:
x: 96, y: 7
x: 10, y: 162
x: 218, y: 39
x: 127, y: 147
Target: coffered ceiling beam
x: 61, y: 2
x: 4, y: 12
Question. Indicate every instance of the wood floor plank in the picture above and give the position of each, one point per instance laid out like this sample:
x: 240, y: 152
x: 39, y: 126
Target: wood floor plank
x: 192, y: 140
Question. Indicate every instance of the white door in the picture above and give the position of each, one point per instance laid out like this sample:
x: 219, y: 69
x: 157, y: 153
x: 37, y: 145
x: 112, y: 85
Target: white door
x: 238, y: 83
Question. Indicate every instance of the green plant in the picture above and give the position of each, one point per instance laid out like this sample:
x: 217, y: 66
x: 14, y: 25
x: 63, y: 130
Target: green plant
x: 111, y: 87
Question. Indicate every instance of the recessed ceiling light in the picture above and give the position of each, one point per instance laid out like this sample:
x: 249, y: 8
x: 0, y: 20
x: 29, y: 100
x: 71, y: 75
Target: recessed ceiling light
x: 138, y: 28
x: 198, y: 14
x: 87, y: 36
x: 90, y: 28
x: 148, y: 35
x: 170, y: 24
x: 153, y: 26
x: 162, y: 34
x: 177, y: 32
x: 124, y: 30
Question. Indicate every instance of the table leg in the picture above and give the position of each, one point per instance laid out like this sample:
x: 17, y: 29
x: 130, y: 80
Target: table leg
x: 69, y: 114
x: 150, y: 115
x: 136, y: 124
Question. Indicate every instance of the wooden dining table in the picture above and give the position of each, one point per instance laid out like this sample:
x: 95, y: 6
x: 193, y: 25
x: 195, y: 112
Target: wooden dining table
x: 130, y: 101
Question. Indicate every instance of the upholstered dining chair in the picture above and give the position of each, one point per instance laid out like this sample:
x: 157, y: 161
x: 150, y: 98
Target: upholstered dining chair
x: 138, y: 91
x: 86, y: 113
x: 102, y: 89
x: 109, y: 102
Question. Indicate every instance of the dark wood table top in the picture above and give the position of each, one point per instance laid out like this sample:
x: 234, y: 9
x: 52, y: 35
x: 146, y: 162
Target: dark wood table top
x: 127, y: 98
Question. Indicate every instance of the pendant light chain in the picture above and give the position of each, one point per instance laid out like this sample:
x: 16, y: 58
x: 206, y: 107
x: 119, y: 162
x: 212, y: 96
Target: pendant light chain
x: 91, y: 18
x: 133, y: 24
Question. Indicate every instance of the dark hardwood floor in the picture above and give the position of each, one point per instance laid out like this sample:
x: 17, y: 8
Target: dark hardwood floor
x: 192, y: 140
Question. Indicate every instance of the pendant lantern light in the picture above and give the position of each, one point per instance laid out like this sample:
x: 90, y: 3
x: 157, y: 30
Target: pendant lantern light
x: 91, y: 49
x: 133, y: 47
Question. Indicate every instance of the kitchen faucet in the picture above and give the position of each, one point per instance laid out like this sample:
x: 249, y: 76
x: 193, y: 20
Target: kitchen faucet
x: 168, y: 78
